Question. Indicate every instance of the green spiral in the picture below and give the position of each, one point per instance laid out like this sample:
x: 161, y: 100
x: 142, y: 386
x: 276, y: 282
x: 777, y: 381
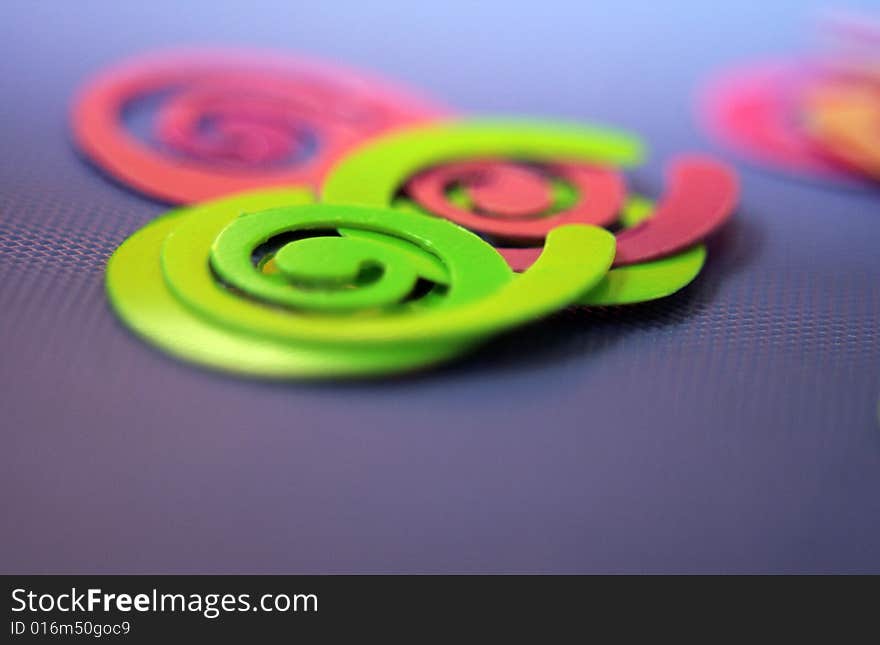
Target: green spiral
x: 373, y: 174
x: 268, y: 283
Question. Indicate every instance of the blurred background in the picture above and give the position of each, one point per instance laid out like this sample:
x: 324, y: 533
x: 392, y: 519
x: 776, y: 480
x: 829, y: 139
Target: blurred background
x: 730, y: 428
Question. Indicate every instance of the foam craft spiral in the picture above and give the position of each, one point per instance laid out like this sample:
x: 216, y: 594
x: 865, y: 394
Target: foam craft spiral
x: 270, y: 284
x: 223, y: 122
x: 815, y: 117
x: 843, y: 118
x: 515, y: 181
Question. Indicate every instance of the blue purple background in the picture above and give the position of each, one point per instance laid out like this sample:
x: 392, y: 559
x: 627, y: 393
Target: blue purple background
x: 730, y: 428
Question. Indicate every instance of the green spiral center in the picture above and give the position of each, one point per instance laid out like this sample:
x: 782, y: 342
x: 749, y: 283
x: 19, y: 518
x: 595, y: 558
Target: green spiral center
x: 323, y: 274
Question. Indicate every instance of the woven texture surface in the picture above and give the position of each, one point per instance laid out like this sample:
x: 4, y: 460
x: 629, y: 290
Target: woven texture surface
x: 732, y: 427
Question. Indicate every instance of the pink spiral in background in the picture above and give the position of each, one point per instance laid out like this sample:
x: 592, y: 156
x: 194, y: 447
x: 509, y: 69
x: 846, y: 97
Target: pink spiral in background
x: 233, y: 121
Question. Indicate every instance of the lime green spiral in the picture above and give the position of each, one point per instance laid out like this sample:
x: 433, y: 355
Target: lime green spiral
x: 373, y: 174
x: 270, y: 284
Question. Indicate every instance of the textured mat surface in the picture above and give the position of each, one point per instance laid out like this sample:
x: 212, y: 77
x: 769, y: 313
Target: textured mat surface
x: 732, y: 427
